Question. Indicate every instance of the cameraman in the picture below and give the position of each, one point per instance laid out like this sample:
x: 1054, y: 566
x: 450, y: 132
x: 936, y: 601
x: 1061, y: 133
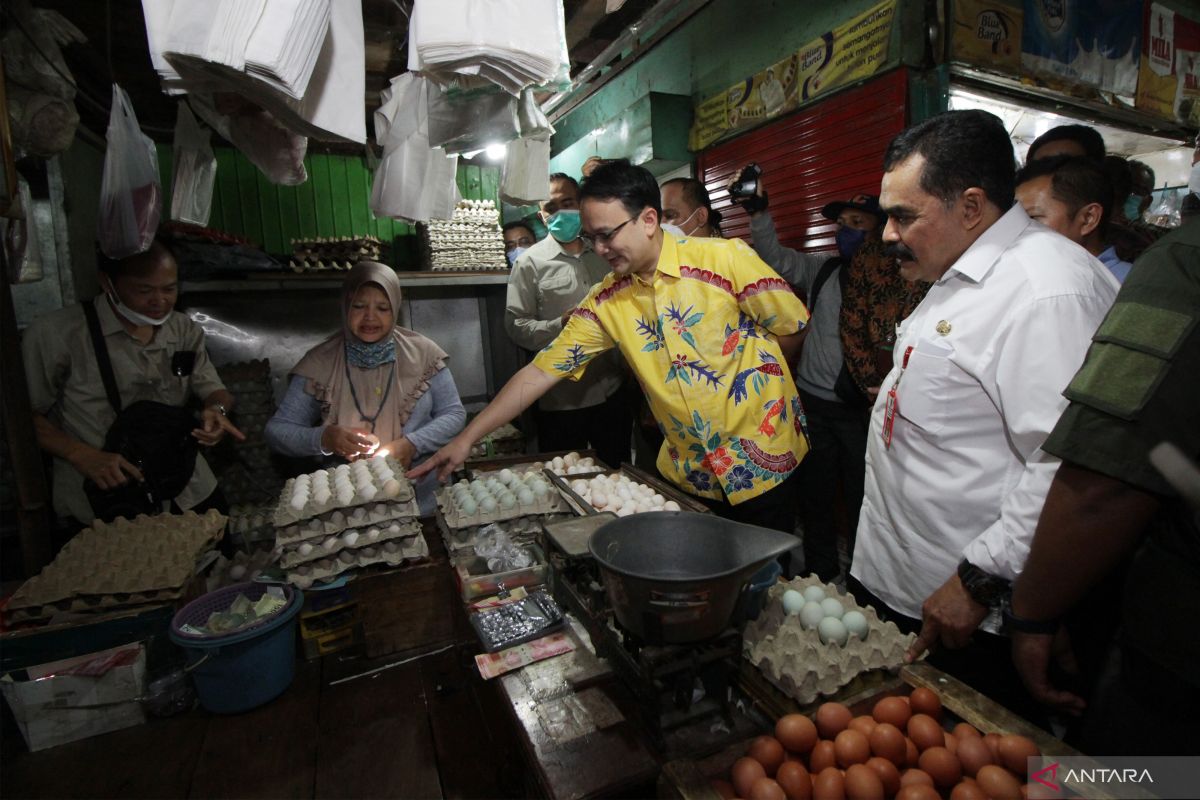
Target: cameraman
x: 836, y: 397
x: 156, y: 354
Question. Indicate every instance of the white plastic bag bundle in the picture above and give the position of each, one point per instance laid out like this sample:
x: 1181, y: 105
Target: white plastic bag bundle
x: 195, y: 170
x: 130, y: 191
x: 525, y: 178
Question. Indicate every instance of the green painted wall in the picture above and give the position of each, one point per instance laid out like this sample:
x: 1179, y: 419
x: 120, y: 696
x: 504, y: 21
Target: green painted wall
x: 332, y: 202
x: 722, y: 44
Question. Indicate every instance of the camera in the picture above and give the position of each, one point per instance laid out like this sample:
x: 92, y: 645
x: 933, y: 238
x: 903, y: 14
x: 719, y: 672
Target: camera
x: 746, y: 184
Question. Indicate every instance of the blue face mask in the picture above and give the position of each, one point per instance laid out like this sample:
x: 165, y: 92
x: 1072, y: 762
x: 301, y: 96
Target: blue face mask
x: 514, y: 254
x: 849, y: 240
x: 1133, y: 204
x: 565, y: 225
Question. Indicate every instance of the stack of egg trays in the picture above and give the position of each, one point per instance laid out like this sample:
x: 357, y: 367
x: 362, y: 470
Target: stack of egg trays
x: 251, y: 524
x: 393, y: 553
x: 455, y: 518
x: 286, y: 515
x: 348, y: 540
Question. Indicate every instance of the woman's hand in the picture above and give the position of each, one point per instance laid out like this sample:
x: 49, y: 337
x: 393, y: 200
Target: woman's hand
x: 349, y: 443
x: 402, y: 450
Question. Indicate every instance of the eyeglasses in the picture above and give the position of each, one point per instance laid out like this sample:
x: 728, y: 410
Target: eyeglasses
x: 604, y: 238
x: 524, y: 241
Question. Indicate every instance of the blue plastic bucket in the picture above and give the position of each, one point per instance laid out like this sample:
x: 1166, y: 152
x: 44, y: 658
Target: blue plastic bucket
x: 755, y: 596
x: 241, y: 670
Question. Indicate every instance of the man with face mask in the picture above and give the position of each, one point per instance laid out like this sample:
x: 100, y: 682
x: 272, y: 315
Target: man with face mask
x: 836, y: 403
x: 155, y: 353
x: 548, y: 281
x: 687, y: 211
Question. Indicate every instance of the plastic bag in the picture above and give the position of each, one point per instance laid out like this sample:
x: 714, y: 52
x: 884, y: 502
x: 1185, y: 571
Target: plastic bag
x: 494, y: 546
x: 130, y: 192
x: 278, y: 153
x: 195, y: 170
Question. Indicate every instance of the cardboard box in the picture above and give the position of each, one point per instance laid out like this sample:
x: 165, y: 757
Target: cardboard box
x: 77, y: 698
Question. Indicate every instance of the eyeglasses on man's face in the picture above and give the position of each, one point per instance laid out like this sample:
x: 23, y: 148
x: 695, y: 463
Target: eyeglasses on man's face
x: 592, y: 239
x: 513, y: 244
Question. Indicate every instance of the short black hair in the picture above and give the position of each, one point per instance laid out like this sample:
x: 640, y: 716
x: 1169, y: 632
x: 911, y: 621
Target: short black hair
x: 1085, y: 136
x: 961, y: 149
x: 519, y: 223
x: 137, y: 263
x: 634, y: 186
x: 1120, y: 177
x: 696, y: 193
x: 1075, y: 181
x: 562, y: 176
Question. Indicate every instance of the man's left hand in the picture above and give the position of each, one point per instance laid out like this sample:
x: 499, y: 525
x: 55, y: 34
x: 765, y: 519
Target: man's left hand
x: 213, y: 427
x: 949, y: 617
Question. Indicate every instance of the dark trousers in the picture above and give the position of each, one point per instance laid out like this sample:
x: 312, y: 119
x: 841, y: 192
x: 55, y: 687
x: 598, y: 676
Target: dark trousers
x: 607, y: 428
x: 774, y: 509
x: 985, y: 664
x: 837, y: 438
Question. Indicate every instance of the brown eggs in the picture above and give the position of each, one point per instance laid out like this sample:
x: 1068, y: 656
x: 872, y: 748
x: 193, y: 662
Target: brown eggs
x: 829, y: 785
x: 767, y: 751
x: 942, y: 766
x: 851, y: 747
x: 832, y: 719
x: 918, y: 791
x: 966, y: 729
x: 795, y: 781
x: 1014, y: 750
x: 863, y: 724
x: 766, y: 789
x: 888, y: 774
x: 796, y: 732
x: 910, y: 776
x: 910, y: 753
x: 892, y: 710
x: 967, y: 790
x: 973, y: 753
x: 888, y: 742
x: 862, y: 783
x: 823, y: 755
x: 998, y: 783
x: 744, y: 773
x: 925, y: 701
x: 723, y: 788
x: 992, y: 740
x: 925, y: 732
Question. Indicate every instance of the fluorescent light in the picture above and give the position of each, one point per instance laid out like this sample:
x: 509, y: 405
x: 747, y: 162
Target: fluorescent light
x: 496, y: 152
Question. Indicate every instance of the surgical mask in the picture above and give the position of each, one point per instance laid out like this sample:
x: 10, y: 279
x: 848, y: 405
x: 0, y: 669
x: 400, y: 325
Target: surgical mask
x: 565, y: 224
x: 849, y: 240
x: 128, y: 313
x: 677, y: 230
x: 1133, y: 204
x: 514, y: 254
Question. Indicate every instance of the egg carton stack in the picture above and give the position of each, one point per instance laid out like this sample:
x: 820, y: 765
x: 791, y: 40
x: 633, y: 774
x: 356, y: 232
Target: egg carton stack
x: 507, y: 496
x: 241, y: 568
x: 504, y: 441
x: 332, y: 253
x: 125, y: 564
x: 812, y: 639
x: 620, y: 494
x: 470, y: 240
x: 248, y: 477
x: 331, y: 521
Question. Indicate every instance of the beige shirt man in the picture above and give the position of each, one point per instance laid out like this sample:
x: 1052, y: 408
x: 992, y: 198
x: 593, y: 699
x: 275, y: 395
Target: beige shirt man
x: 65, y: 386
x: 545, y: 284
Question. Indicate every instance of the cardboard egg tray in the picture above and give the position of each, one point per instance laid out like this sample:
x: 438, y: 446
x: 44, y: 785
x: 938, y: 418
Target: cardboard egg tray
x: 795, y: 660
x: 583, y: 506
x: 118, y: 565
x: 249, y: 524
x: 454, y: 517
x: 292, y: 555
x: 286, y: 515
x: 393, y: 554
x: 338, y: 520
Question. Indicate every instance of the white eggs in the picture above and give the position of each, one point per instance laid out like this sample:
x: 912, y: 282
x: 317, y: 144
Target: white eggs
x: 305, y: 549
x: 793, y: 601
x: 811, y: 615
x: 541, y: 489
x: 856, y: 624
x: 525, y: 497
x: 832, y: 608
x: 814, y: 594
x: 508, y: 501
x: 556, y: 464
x: 599, y: 499
x: 373, y: 533
x: 670, y: 505
x: 391, y: 547
x: 658, y: 501
x: 832, y: 631
x: 298, y: 502
x: 330, y: 542
x: 487, y: 505
x: 506, y: 477
x: 349, y: 538
x: 468, y: 505
x: 346, y: 557
x: 345, y: 496
x: 367, y: 492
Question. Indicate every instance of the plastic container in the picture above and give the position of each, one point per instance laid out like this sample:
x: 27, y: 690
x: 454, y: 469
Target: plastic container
x: 754, y: 598
x: 244, y: 669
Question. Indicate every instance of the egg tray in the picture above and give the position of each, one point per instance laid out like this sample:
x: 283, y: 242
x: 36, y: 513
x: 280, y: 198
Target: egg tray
x: 454, y: 518
x: 584, y: 508
x: 286, y: 515
x: 339, y: 520
x: 251, y: 523
x: 244, y: 566
x: 126, y: 562
x: 292, y: 557
x: 412, y: 548
x: 795, y: 660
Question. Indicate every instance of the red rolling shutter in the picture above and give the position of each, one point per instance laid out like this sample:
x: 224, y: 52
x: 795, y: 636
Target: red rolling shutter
x: 829, y: 151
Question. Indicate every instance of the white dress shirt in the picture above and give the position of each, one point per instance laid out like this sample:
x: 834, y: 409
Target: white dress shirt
x: 994, y: 344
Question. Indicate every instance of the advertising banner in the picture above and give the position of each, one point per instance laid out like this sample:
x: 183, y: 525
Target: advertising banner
x: 1095, y: 43
x: 1167, y: 75
x: 987, y: 33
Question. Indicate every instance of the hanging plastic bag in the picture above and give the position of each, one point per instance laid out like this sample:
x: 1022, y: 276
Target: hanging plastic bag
x: 130, y: 192
x: 195, y: 170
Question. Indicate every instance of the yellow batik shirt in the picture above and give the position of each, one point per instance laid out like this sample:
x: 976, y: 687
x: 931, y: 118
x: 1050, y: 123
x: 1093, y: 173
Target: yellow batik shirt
x: 701, y: 340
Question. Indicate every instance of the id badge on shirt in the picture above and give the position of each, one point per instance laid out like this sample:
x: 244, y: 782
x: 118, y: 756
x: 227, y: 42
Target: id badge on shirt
x: 893, y: 402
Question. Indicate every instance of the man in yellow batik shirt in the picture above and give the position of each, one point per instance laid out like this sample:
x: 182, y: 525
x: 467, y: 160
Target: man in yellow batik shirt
x: 707, y: 328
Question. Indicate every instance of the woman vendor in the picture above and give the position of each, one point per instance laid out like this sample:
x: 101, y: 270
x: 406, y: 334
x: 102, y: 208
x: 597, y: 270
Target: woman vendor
x: 371, y: 386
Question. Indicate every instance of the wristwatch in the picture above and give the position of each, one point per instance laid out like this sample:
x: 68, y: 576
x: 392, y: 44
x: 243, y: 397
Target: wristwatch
x: 224, y: 412
x: 984, y: 587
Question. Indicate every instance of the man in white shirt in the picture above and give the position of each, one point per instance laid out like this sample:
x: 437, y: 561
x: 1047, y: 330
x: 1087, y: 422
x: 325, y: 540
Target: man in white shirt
x: 956, y: 476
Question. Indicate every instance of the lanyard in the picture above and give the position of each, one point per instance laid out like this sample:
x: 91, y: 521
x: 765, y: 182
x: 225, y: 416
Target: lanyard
x: 889, y: 410
x: 354, y: 395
